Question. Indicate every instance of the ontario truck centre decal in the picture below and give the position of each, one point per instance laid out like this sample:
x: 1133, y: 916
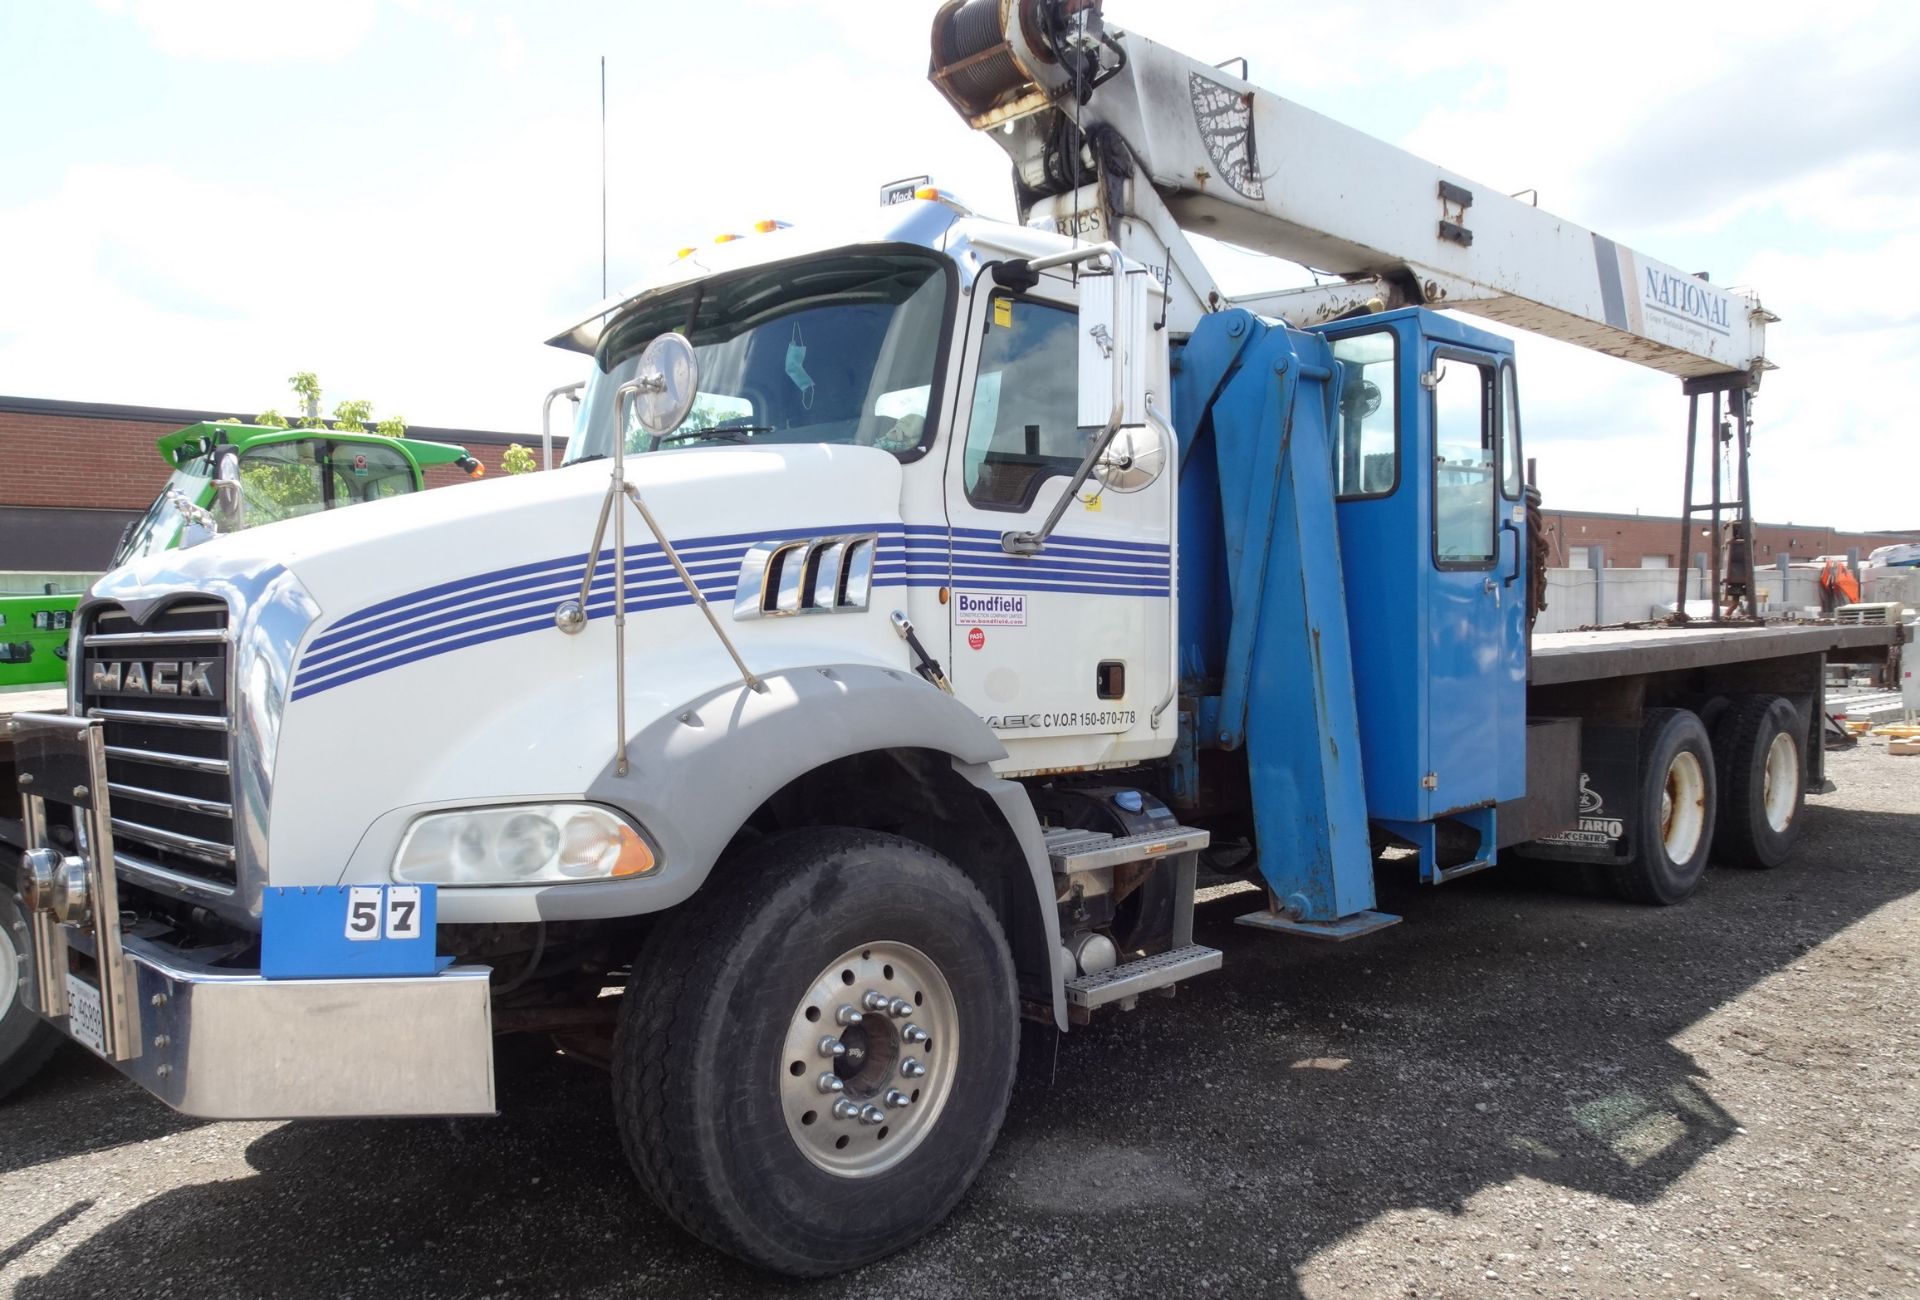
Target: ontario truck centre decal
x: 1595, y: 829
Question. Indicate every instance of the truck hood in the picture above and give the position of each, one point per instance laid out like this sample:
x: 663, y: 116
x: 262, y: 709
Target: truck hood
x: 352, y: 559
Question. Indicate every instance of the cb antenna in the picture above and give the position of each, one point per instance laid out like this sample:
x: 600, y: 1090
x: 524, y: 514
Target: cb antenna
x: 603, y: 178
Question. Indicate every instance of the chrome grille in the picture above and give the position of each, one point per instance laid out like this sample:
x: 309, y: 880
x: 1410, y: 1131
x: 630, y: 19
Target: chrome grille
x: 162, y: 691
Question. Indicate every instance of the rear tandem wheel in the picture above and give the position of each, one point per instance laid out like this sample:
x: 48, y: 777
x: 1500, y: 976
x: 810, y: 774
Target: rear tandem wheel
x: 1674, y: 817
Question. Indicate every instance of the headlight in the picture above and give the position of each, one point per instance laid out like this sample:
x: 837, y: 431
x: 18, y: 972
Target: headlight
x: 523, y: 844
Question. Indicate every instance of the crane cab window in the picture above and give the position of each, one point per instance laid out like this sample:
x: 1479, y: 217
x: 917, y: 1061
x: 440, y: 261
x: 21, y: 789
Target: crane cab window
x: 1366, y: 448
x: 1510, y: 482
x: 284, y: 480
x: 1465, y: 420
x: 1025, y: 402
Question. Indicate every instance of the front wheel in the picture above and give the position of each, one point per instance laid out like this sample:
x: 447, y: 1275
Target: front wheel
x: 815, y: 1054
x: 26, y: 1041
x: 1673, y: 825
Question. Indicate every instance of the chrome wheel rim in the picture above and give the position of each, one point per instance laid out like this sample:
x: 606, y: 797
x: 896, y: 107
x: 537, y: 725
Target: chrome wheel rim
x: 1683, y: 807
x: 10, y: 972
x: 1780, y: 781
x: 869, y: 1059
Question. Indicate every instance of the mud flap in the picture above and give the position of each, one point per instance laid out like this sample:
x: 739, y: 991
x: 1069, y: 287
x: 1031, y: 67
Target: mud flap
x: 1609, y: 786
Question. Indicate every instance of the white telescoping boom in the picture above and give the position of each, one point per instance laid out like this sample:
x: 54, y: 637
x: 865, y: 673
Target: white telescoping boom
x: 1114, y: 136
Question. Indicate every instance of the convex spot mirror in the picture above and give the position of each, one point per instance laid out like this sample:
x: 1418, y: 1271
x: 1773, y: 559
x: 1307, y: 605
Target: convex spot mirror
x: 664, y: 386
x: 1133, y: 460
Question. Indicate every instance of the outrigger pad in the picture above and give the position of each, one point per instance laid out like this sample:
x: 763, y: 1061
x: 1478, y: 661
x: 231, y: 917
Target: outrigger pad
x: 1346, y: 927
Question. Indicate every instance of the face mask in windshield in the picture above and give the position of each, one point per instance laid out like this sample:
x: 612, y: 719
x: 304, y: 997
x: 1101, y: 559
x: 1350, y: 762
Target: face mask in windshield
x: 797, y: 369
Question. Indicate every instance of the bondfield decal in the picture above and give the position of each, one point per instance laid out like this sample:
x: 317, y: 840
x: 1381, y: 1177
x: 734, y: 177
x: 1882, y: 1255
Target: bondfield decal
x: 990, y: 608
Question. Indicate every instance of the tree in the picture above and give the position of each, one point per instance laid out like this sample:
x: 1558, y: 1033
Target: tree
x: 353, y: 416
x: 518, y: 460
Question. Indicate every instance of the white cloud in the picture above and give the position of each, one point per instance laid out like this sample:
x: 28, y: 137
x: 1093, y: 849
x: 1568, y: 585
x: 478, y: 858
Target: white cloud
x: 1772, y: 142
x: 249, y: 30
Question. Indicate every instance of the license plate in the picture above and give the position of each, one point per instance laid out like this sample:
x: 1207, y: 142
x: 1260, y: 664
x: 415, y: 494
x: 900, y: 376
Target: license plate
x: 86, y: 1017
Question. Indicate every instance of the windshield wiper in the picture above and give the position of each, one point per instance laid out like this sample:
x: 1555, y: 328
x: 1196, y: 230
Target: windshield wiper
x: 725, y: 432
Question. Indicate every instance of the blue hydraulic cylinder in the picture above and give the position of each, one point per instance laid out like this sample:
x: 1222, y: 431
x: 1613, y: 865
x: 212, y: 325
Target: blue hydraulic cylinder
x: 1265, y: 650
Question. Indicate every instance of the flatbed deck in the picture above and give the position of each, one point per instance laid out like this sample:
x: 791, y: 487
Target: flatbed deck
x: 1563, y: 657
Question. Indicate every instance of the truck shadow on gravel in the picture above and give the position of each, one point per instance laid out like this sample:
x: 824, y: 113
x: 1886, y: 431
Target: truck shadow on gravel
x: 77, y: 1104
x: 1214, y: 1142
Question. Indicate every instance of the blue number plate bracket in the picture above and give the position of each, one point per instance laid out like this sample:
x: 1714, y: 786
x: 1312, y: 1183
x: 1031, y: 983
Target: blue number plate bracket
x: 348, y: 931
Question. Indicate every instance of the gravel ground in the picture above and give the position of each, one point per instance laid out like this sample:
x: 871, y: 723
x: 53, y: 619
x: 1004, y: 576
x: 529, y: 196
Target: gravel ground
x: 1519, y: 1091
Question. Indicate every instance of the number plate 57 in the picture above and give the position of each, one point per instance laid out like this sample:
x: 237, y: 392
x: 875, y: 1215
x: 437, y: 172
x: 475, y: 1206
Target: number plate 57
x: 383, y: 912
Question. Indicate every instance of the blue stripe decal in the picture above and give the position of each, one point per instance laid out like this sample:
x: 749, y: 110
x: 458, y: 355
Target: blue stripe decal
x: 519, y: 599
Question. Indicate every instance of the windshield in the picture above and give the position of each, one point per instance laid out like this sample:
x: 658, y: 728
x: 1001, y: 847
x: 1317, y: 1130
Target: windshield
x: 841, y: 348
x: 159, y: 529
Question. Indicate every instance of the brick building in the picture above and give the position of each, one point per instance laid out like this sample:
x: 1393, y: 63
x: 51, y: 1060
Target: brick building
x: 1653, y: 541
x: 73, y: 474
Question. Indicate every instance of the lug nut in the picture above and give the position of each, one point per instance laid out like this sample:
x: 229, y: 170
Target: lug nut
x: 899, y: 1008
x: 831, y: 1082
x: 846, y: 1015
x: 915, y: 1034
x: 831, y: 1046
x: 873, y: 1115
x: 912, y: 1069
x: 844, y: 1109
x: 896, y: 1099
x: 875, y: 1000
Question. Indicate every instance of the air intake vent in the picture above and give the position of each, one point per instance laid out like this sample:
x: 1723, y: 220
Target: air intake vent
x: 809, y: 575
x: 1876, y: 614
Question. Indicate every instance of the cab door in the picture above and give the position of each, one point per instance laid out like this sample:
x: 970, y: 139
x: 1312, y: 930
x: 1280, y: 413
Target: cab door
x: 1067, y: 654
x: 1466, y: 605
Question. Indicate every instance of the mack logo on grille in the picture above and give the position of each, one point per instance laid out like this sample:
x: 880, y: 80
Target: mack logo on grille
x: 189, y: 677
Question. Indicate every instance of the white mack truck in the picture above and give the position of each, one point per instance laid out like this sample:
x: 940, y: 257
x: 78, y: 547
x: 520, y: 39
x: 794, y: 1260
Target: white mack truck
x: 896, y: 694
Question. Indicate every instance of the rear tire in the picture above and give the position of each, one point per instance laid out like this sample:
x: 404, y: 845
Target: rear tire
x: 26, y: 1041
x: 1673, y: 822
x: 743, y: 1149
x: 1763, y: 785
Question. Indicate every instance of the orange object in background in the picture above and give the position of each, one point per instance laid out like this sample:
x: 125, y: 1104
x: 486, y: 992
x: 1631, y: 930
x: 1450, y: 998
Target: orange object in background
x: 1837, y: 580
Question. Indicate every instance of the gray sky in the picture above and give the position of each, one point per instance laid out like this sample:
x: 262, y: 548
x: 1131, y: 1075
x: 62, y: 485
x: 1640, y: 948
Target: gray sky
x: 202, y: 196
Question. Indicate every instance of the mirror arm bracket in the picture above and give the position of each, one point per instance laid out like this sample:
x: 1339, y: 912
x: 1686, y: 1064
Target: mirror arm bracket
x: 1032, y: 543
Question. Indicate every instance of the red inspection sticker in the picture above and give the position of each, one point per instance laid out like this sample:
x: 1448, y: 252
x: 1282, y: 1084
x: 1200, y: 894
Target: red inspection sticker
x: 976, y: 639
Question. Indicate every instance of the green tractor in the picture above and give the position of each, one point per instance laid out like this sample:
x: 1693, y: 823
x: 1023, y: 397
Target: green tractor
x: 227, y: 477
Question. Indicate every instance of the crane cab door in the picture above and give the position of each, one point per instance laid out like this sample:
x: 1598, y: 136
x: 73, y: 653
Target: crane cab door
x: 1067, y: 654
x: 1431, y: 522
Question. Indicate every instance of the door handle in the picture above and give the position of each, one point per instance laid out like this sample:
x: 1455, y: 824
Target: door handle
x: 1508, y: 526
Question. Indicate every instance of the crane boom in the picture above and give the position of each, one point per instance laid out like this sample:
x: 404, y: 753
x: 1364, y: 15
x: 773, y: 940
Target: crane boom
x: 1109, y: 129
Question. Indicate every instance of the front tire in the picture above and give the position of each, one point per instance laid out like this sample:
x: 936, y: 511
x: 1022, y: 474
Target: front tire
x: 1673, y: 824
x: 26, y: 1041
x: 1762, y: 781
x: 853, y: 1155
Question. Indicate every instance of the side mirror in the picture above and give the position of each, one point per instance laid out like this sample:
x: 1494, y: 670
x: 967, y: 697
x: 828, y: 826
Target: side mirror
x: 1116, y: 337
x: 228, y: 501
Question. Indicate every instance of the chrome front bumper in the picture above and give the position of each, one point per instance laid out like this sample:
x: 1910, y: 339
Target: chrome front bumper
x: 221, y: 1044
x: 226, y: 1046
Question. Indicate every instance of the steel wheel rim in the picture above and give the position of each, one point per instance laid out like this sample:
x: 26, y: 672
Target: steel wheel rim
x: 1780, y: 781
x: 880, y: 1109
x: 10, y: 973
x: 1683, y: 806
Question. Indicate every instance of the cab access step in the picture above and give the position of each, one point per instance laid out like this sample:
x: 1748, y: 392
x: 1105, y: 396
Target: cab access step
x: 1085, y: 862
